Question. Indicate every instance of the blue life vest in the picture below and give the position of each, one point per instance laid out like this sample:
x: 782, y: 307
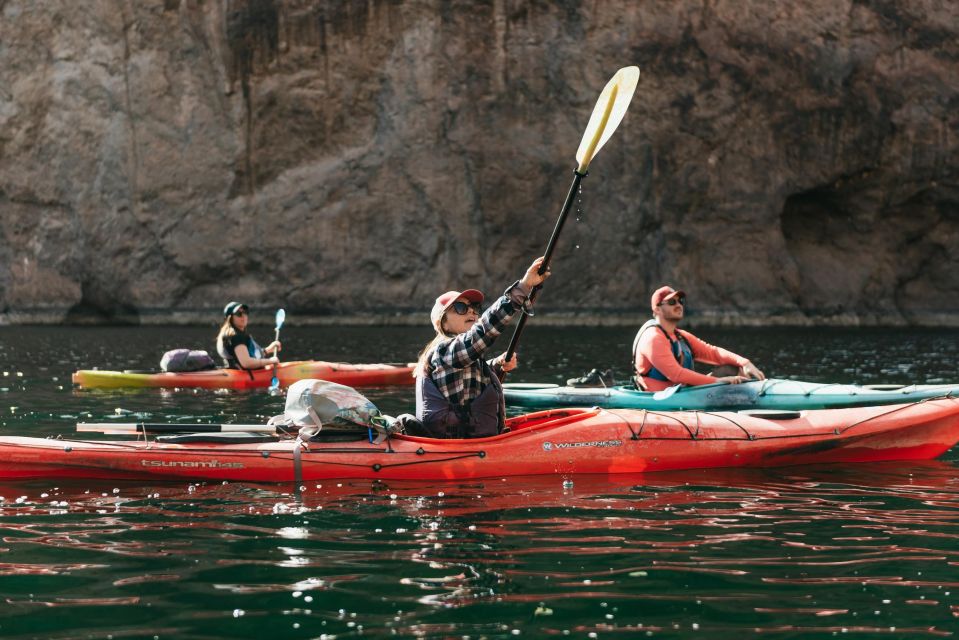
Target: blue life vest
x: 680, y: 347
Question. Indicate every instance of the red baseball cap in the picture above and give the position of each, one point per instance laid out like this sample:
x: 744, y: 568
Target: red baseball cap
x: 665, y: 293
x: 446, y: 301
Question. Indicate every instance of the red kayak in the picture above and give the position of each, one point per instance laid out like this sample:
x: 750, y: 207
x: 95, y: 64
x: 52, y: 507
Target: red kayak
x: 564, y: 441
x: 352, y: 375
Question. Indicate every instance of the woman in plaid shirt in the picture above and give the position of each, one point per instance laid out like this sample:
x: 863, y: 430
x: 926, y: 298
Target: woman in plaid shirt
x: 458, y: 392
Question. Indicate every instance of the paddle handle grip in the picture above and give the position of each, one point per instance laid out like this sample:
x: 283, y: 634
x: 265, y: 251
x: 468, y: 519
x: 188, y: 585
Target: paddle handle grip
x: 547, y: 256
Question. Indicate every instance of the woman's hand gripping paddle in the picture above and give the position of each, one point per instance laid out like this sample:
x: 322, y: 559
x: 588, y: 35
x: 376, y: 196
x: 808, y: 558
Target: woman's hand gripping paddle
x: 607, y: 114
x: 280, y: 318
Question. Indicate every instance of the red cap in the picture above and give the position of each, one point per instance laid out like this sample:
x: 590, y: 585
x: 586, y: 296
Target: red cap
x: 446, y: 300
x: 664, y: 293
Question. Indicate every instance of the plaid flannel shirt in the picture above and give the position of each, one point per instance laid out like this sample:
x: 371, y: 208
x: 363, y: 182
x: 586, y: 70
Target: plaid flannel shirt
x: 457, y: 366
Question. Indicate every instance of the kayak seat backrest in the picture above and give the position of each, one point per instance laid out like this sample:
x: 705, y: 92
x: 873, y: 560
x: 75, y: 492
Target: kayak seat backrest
x: 237, y: 437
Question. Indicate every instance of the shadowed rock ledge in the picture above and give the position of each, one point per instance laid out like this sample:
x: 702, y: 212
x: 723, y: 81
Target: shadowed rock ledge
x: 783, y: 163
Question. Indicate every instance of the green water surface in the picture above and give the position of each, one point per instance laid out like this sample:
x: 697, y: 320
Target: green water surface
x: 805, y: 552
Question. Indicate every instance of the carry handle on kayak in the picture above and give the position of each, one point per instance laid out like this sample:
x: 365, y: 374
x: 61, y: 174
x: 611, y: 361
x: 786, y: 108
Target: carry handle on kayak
x: 607, y: 114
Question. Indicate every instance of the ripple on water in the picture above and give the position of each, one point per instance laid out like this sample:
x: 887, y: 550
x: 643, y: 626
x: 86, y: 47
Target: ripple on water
x: 866, y: 548
x: 861, y: 549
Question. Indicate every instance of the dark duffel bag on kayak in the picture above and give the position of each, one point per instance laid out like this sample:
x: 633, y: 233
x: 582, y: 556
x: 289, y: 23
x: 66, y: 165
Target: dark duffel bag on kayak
x: 183, y: 360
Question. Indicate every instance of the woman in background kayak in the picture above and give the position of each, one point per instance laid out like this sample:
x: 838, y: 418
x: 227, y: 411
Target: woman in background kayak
x: 458, y: 392
x: 237, y: 347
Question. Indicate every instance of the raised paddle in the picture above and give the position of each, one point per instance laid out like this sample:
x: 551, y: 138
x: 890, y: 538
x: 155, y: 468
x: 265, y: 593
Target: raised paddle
x: 280, y: 318
x: 607, y: 114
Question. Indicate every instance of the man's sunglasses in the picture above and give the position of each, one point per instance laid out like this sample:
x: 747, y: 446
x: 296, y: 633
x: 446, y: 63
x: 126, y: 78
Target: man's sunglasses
x: 239, y: 313
x: 461, y: 308
x: 681, y: 300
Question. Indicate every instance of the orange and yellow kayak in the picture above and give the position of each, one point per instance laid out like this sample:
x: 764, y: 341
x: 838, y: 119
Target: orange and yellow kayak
x: 352, y: 375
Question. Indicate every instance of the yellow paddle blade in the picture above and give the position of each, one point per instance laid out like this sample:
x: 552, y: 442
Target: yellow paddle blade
x: 607, y: 114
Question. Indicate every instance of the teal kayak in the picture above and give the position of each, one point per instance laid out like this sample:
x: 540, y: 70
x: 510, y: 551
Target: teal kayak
x: 757, y: 394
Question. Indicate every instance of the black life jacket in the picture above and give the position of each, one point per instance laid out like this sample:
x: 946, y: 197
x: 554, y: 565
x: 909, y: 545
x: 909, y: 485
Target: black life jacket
x: 230, y: 360
x: 483, y: 416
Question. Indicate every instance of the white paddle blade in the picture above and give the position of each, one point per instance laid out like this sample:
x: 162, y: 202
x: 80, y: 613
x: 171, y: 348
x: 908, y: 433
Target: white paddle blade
x: 667, y: 392
x: 280, y: 318
x: 609, y: 111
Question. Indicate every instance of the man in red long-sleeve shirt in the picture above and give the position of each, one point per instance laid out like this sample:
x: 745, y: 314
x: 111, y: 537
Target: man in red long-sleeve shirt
x: 663, y: 355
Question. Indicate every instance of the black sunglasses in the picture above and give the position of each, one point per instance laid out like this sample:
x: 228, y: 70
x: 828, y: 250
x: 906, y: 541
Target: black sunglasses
x: 239, y: 313
x: 681, y: 300
x: 461, y: 308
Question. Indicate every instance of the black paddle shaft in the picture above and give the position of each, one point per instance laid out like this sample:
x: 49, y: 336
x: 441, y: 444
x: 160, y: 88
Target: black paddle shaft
x: 573, y: 190
x: 161, y: 427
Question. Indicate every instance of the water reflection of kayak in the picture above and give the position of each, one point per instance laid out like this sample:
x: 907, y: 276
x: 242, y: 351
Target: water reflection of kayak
x: 354, y: 375
x: 758, y: 394
x: 558, y: 442
x: 744, y: 490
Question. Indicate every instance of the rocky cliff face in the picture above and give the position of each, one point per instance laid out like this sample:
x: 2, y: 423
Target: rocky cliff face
x: 782, y: 162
